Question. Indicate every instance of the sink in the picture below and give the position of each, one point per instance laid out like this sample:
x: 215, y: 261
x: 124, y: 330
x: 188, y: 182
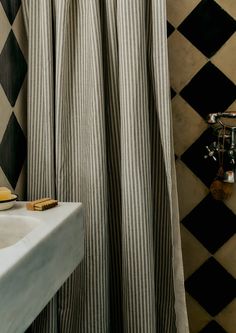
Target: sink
x: 13, y: 228
x: 38, y: 252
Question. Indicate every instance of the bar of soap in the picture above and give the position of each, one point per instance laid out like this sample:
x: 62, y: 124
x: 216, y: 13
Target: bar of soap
x: 5, y: 193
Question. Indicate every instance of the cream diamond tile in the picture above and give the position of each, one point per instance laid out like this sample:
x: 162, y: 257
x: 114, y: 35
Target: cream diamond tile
x: 229, y: 6
x: 232, y: 107
x: 231, y: 202
x: 189, y: 195
x: 187, y: 125
x: 178, y: 10
x: 20, y: 33
x: 198, y: 317
x: 184, y: 59
x: 5, y: 27
x: 194, y: 254
x: 227, y: 317
x: 5, y: 111
x: 225, y: 58
x: 4, y: 181
x: 21, y: 184
x: 226, y: 256
x: 20, y: 108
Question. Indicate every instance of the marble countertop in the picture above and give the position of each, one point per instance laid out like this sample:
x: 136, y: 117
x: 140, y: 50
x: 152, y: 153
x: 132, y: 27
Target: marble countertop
x: 34, y: 268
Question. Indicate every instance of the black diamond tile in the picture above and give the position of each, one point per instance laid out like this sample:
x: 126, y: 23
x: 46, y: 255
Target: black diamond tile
x: 208, y: 27
x: 170, y: 29
x: 12, y: 151
x: 13, y: 68
x: 212, y: 286
x: 213, y: 327
x: 11, y: 8
x: 209, y: 91
x: 211, y: 222
x: 193, y: 157
x: 172, y: 93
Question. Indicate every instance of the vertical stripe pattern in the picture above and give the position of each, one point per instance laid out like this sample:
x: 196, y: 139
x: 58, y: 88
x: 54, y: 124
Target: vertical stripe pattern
x: 99, y: 131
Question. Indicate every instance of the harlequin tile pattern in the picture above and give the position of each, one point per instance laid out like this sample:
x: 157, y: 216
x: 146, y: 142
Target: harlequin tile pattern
x: 212, y: 286
x: 13, y: 68
x: 203, y: 79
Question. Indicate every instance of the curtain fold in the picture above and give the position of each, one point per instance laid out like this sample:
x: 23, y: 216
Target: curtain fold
x: 99, y: 132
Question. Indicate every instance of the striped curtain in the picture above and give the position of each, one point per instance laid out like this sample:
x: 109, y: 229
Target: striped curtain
x: 99, y: 132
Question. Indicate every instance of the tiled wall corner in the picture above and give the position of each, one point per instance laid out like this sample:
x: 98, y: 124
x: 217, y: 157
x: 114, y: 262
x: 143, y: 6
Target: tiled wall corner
x: 13, y: 68
x: 202, y: 49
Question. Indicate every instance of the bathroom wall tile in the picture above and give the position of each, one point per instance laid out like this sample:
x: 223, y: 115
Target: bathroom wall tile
x: 204, y: 168
x: 211, y: 222
x: 232, y: 107
x: 208, y: 25
x: 198, y: 317
x: 229, y: 6
x: 178, y: 10
x: 213, y: 327
x: 209, y: 90
x: 5, y: 27
x: 225, y: 59
x: 13, y: 141
x: 20, y: 108
x: 226, y: 256
x: 208, y: 16
x: 187, y: 125
x: 5, y: 112
x: 190, y: 198
x: 212, y: 286
x: 14, y: 69
x: 19, y: 31
x: 11, y: 8
x: 194, y: 254
x: 227, y: 317
x: 20, y: 188
x: 185, y: 60
x: 170, y: 29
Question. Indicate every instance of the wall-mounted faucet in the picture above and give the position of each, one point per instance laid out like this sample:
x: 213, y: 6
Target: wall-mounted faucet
x: 223, y: 151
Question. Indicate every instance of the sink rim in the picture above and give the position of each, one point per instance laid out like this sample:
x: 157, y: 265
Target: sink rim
x: 25, y: 221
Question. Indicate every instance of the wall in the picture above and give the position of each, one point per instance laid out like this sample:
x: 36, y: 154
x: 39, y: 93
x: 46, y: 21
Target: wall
x: 202, y: 56
x: 13, y: 69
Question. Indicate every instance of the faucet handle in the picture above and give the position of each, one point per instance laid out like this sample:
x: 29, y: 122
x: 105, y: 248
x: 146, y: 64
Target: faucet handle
x: 211, y: 153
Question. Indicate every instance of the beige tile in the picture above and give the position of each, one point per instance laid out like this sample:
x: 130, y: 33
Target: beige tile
x: 189, y: 195
x: 198, y: 317
x: 20, y: 33
x: 194, y: 254
x: 231, y: 202
x: 225, y: 58
x: 4, y: 181
x: 226, y: 256
x: 20, y: 108
x: 5, y: 27
x: 5, y: 111
x: 227, y: 318
x: 184, y: 60
x: 178, y: 10
x: 21, y: 184
x: 187, y: 125
x: 229, y: 6
x: 232, y: 107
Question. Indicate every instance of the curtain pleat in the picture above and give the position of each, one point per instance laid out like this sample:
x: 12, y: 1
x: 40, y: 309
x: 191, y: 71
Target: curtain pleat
x: 99, y: 132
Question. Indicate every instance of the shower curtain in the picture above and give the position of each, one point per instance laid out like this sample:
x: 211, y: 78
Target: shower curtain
x: 99, y: 132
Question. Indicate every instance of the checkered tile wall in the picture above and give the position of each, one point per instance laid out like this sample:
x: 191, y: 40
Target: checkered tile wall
x: 13, y: 70
x: 202, y: 57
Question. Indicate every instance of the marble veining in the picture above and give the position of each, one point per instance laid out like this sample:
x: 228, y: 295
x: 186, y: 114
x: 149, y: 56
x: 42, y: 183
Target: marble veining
x: 36, y: 261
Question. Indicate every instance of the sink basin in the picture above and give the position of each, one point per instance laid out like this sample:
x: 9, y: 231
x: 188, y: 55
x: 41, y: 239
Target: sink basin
x: 38, y: 252
x: 13, y: 228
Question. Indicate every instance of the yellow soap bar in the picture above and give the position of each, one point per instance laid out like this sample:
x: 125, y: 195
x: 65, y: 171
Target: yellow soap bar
x: 5, y: 193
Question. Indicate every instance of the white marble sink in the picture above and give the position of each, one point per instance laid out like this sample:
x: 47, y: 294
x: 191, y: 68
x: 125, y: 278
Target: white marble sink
x: 38, y: 252
x: 15, y: 227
